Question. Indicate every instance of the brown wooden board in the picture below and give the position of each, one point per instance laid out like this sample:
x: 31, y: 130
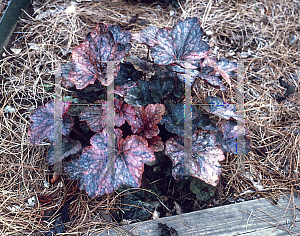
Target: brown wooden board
x: 255, y: 217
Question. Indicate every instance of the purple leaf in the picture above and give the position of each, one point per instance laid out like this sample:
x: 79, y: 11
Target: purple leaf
x: 90, y: 57
x: 183, y: 42
x: 174, y: 120
x: 120, y: 36
x: 83, y: 71
x: 231, y: 129
x: 43, y: 123
x: 147, y: 36
x: 212, y: 71
x: 98, y: 175
x: 224, y: 110
x: 232, y: 137
x: 65, y: 79
x: 94, y: 116
x: 222, y: 67
x: 145, y: 123
x: 214, y: 81
x: 140, y: 94
x: 69, y: 147
x: 203, y: 161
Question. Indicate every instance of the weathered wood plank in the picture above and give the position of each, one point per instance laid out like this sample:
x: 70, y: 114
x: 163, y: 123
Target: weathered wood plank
x: 256, y: 217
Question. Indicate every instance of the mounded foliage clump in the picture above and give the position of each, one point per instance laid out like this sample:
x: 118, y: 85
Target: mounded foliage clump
x: 142, y: 105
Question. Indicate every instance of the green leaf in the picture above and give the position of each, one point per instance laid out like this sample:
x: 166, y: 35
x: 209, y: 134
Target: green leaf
x: 202, y: 190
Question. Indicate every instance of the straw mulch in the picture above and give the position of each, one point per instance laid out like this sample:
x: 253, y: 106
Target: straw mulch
x: 256, y: 33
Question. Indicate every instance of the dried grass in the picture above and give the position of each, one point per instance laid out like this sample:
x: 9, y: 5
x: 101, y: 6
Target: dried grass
x: 271, y: 168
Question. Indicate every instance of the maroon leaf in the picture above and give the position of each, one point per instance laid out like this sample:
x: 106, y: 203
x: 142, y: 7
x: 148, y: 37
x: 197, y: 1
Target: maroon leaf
x: 124, y: 89
x: 94, y: 116
x: 90, y: 57
x: 156, y: 144
x: 83, y: 71
x: 147, y: 119
x: 104, y: 48
x: 43, y: 123
x: 203, y: 161
x: 98, y: 175
x: 183, y: 42
x: 45, y: 198
x: 123, y: 112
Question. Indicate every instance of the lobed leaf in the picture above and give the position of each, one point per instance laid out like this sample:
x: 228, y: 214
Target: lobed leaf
x: 127, y: 73
x: 232, y: 137
x: 214, y: 81
x: 121, y: 36
x: 224, y: 110
x: 69, y: 147
x: 156, y: 144
x: 94, y: 116
x: 99, y: 175
x: 222, y: 67
x: 174, y: 121
x: 182, y: 71
x: 147, y: 36
x: 123, y: 112
x: 146, y: 120
x: 83, y: 71
x: 182, y: 43
x: 90, y: 57
x: 90, y: 94
x: 65, y: 70
x: 44, y: 123
x: 160, y: 88
x: 139, y: 95
x: 123, y: 90
x: 203, y: 160
x: 208, y: 74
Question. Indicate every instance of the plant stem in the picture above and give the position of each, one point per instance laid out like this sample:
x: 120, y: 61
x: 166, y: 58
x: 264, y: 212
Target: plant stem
x: 176, y: 81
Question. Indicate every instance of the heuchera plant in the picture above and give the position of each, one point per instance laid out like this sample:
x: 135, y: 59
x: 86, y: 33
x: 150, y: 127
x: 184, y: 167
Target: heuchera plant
x: 147, y: 96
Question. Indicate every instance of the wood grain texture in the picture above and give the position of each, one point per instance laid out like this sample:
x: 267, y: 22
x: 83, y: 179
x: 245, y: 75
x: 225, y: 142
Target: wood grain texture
x: 256, y: 217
